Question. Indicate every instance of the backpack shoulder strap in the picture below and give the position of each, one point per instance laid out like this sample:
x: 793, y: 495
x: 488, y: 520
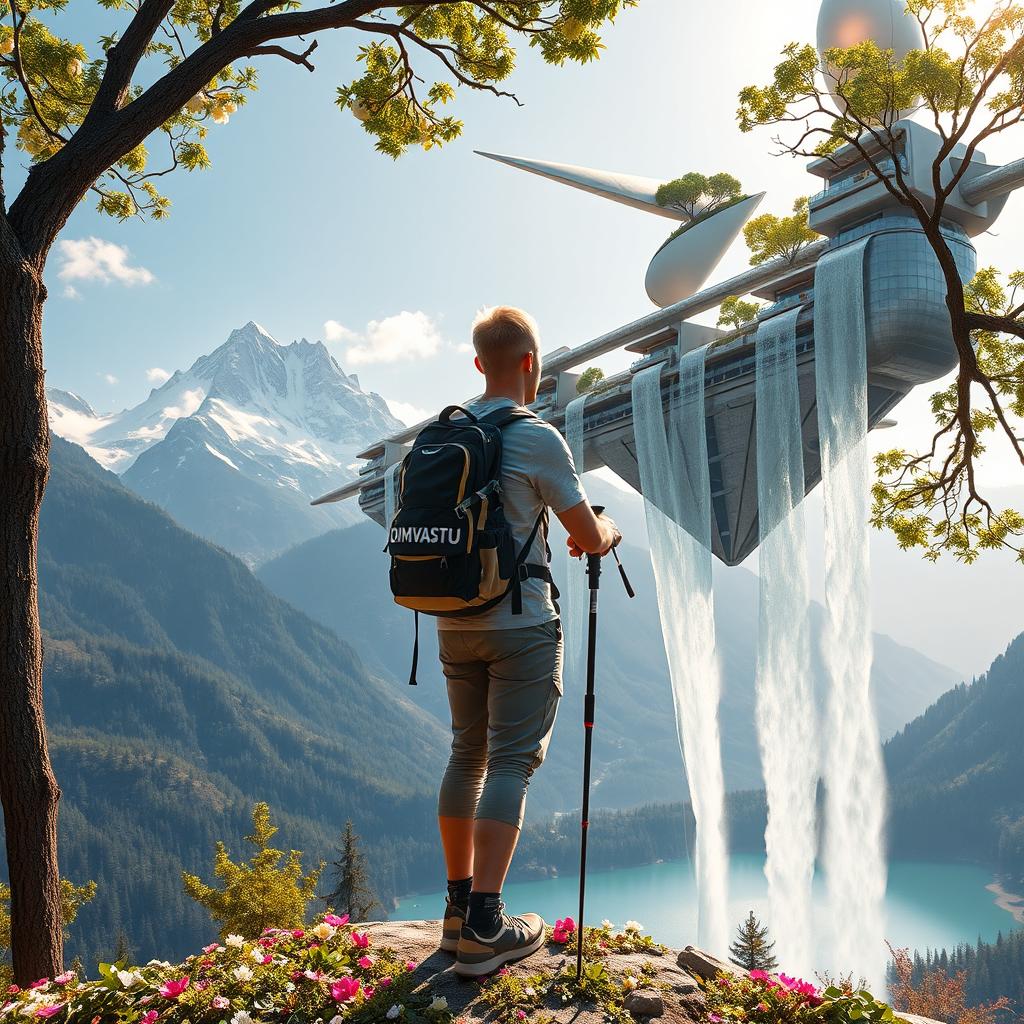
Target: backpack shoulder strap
x: 504, y: 416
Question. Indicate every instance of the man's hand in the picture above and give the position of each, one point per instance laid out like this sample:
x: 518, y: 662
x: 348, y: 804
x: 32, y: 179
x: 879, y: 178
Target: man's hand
x: 589, y: 533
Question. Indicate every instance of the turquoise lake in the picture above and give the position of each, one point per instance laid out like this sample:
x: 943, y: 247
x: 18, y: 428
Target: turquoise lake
x: 928, y: 905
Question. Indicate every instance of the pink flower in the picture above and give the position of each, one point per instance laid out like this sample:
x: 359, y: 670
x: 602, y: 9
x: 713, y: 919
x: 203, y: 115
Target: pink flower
x: 384, y: 982
x: 63, y: 979
x: 503, y: 971
x: 411, y: 965
x: 296, y: 975
x: 368, y: 991
x: 150, y: 1017
x: 210, y: 948
x: 266, y: 942
x: 760, y: 976
x: 202, y: 985
x: 40, y: 983
x: 763, y: 1007
x: 520, y: 1015
x: 365, y: 962
x: 361, y: 939
x: 334, y: 921
x: 714, y: 1018
x: 49, y: 1011
x: 13, y: 990
x: 345, y: 989
x: 311, y: 975
x: 173, y: 989
x: 267, y: 959
x: 298, y: 933
x: 220, y: 1002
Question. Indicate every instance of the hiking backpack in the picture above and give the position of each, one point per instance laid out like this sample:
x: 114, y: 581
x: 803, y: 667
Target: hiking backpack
x: 452, y: 551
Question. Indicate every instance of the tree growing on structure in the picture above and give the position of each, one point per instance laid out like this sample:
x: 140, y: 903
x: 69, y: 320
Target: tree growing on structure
x: 269, y: 890
x: 84, y: 116
x: 769, y: 237
x: 699, y: 195
x: 352, y: 893
x: 968, y: 79
x: 589, y: 380
x: 752, y: 948
x: 735, y: 311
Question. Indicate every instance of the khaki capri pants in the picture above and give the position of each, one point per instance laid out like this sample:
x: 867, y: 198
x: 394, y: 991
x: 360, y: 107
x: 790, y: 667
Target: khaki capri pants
x: 503, y: 689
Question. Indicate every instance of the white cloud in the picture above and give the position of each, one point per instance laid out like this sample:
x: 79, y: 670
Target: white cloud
x: 190, y: 401
x: 407, y: 412
x: 94, y: 259
x: 157, y: 375
x: 109, y: 378
x: 71, y: 292
x: 334, y: 331
x: 464, y: 347
x: 404, y: 336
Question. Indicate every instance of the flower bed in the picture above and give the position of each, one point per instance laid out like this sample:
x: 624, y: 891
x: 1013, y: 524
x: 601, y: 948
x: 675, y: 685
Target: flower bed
x: 327, y: 972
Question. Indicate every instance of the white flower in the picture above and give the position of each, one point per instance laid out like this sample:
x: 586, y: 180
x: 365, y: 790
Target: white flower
x: 242, y: 1017
x: 439, y: 1003
x: 360, y: 108
x: 336, y: 1019
x: 323, y: 931
x: 242, y: 973
x: 529, y: 991
x: 7, y: 44
x: 219, y: 116
x: 257, y: 954
x: 129, y: 978
x: 234, y: 940
x: 395, y: 1011
x: 634, y: 926
x: 630, y: 983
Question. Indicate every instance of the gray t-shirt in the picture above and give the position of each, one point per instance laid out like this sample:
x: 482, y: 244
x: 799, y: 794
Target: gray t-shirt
x: 536, y: 470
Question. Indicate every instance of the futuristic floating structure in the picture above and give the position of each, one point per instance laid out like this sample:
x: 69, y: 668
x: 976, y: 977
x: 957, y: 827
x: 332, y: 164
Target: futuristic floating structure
x: 907, y: 324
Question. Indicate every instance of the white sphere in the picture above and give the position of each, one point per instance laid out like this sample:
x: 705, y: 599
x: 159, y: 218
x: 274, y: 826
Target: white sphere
x: 844, y: 23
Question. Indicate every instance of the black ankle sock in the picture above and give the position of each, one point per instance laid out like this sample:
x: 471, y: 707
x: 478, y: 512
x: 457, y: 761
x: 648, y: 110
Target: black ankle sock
x: 484, y: 912
x: 459, y: 890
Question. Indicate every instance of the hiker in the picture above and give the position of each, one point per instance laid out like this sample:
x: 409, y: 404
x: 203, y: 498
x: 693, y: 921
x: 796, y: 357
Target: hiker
x: 504, y: 666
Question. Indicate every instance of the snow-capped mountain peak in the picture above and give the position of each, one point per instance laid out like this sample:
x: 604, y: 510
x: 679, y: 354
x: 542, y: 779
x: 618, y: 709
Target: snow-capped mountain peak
x: 286, y: 418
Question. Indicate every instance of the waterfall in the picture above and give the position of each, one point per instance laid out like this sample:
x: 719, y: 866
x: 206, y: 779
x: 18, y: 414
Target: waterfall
x: 673, y: 466
x: 576, y: 593
x: 854, y: 854
x: 785, y: 707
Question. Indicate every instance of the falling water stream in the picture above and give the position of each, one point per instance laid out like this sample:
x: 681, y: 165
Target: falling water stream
x: 786, y: 725
x: 673, y: 463
x: 854, y: 854
x: 391, y: 493
x: 576, y: 594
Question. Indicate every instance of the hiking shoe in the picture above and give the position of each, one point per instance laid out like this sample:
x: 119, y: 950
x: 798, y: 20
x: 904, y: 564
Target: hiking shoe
x: 516, y: 938
x: 454, y: 918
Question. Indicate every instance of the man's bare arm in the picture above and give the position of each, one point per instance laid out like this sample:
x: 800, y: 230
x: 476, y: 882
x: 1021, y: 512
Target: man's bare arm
x: 589, y: 533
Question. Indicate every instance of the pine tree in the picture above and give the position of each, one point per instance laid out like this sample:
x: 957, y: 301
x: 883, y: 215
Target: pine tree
x: 352, y: 894
x: 122, y: 949
x: 268, y: 890
x: 752, y: 949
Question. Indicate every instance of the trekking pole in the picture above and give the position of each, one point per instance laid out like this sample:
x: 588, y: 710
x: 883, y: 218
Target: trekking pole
x: 589, y: 702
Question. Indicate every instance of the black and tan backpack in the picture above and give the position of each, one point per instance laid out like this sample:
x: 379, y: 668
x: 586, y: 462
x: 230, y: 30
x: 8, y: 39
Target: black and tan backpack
x: 452, y: 551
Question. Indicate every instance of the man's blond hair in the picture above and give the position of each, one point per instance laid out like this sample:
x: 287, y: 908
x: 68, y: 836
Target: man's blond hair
x: 502, y: 335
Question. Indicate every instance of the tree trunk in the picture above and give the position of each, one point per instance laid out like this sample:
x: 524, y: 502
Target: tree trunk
x: 28, y: 788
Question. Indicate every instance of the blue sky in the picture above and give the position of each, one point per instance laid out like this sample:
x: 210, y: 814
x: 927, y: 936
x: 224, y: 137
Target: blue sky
x: 301, y: 222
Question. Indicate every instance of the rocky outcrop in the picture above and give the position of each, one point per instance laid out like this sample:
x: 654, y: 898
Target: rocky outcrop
x: 673, y: 996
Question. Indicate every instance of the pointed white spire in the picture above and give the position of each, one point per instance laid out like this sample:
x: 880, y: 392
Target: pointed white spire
x: 628, y: 189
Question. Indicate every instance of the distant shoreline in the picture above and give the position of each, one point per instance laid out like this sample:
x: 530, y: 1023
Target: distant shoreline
x: 1008, y: 901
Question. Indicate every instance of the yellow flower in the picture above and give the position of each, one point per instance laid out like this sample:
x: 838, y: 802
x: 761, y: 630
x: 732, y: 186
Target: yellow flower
x: 74, y: 67
x: 323, y: 931
x: 229, y: 107
x: 7, y: 44
x: 197, y: 104
x: 219, y: 116
x: 630, y: 983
